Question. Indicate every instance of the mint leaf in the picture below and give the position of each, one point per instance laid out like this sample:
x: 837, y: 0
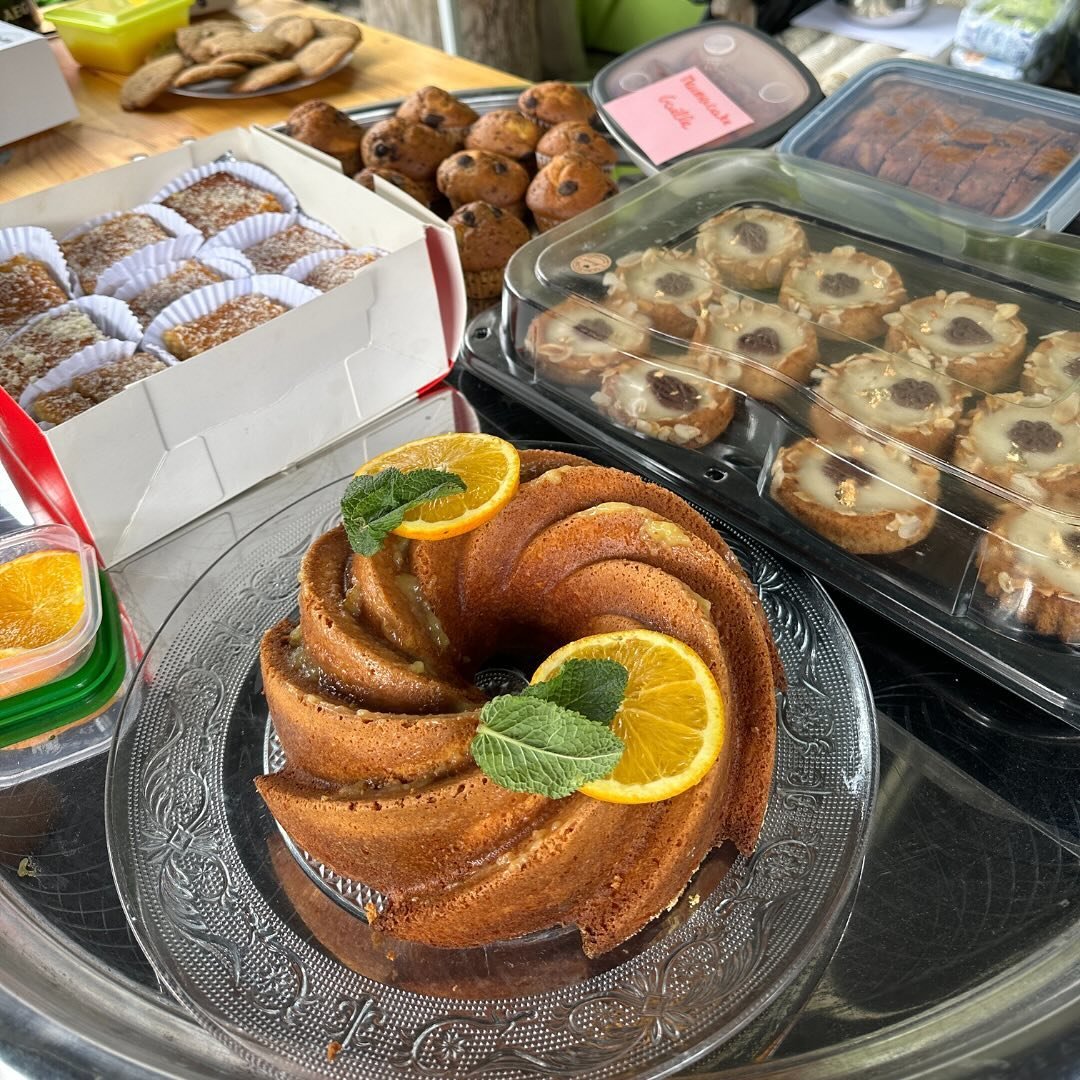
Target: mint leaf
x: 528, y: 744
x: 594, y: 688
x: 373, y: 506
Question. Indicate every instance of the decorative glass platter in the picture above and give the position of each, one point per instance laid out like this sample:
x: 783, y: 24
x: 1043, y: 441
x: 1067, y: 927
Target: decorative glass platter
x: 239, y: 932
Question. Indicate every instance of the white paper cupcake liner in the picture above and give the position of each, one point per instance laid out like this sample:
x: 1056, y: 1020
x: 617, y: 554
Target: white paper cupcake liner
x: 89, y: 359
x: 245, y: 170
x: 110, y: 282
x: 254, y: 230
x: 302, y: 267
x: 209, y: 298
x: 185, y: 240
x: 228, y: 263
x: 36, y: 243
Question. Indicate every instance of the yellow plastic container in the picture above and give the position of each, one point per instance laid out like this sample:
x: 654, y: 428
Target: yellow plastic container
x: 116, y: 35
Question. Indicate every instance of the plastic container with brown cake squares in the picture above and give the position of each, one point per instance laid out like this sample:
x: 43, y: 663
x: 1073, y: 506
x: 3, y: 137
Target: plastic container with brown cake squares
x: 888, y: 397
x: 965, y: 142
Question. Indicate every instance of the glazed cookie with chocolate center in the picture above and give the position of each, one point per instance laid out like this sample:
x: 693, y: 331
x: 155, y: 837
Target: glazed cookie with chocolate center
x: 751, y: 248
x: 977, y: 341
x: 895, y: 395
x: 668, y: 403
x: 868, y: 498
x: 1053, y: 366
x: 576, y: 342
x: 670, y: 287
x: 1026, y: 444
x: 736, y: 326
x: 1031, y: 566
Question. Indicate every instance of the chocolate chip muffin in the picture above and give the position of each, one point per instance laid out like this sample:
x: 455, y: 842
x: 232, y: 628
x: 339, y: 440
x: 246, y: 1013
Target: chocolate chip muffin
x: 486, y: 238
x: 472, y: 175
x: 551, y: 103
x: 576, y: 137
x: 566, y: 186
x: 412, y: 149
x: 507, y: 133
x: 434, y: 107
x: 319, y: 124
x: 423, y: 191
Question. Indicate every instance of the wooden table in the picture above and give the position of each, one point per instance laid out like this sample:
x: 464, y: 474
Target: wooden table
x: 385, y: 66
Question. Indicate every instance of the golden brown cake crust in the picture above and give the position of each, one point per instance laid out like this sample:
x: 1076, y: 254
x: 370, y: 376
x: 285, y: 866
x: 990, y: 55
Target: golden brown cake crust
x: 219, y: 200
x: 550, y: 103
x: 234, y: 317
x: 486, y: 238
x: 480, y: 176
x: 423, y: 191
x: 405, y: 147
x: 576, y: 137
x: 319, y: 124
x: 504, y: 132
x: 27, y: 288
x: 433, y: 106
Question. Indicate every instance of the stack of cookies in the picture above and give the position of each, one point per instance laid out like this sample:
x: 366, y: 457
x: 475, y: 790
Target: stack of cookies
x: 289, y: 48
x: 537, y: 165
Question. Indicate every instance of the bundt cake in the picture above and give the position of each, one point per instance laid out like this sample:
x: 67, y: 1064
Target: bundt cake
x: 372, y: 700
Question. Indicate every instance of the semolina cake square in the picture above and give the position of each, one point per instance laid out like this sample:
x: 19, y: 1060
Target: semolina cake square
x: 105, y: 382
x: 186, y: 278
x: 27, y: 288
x: 230, y: 320
x: 336, y: 271
x: 219, y: 200
x: 59, y: 405
x: 275, y: 253
x: 46, y: 343
x: 95, y: 250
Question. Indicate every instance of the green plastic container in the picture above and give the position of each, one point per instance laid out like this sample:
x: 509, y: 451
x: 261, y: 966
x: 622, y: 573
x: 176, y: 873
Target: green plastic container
x: 81, y: 695
x: 620, y: 25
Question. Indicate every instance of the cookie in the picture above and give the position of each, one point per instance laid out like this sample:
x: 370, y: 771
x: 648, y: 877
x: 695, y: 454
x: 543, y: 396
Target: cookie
x: 189, y: 39
x: 146, y: 85
x: 246, y: 41
x: 337, y: 28
x: 216, y: 69
x: 294, y: 29
x: 262, y: 78
x: 321, y: 55
x: 245, y: 59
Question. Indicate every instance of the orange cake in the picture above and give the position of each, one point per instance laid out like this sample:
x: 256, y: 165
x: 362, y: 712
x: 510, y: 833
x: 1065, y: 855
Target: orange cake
x: 95, y: 250
x: 187, y: 277
x: 372, y: 699
x: 275, y: 253
x: 41, y: 346
x: 220, y: 200
x: 27, y: 288
x: 233, y: 318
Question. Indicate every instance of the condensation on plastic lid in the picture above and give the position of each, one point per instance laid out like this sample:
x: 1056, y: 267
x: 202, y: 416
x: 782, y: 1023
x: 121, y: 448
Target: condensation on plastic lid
x: 776, y: 92
x: 718, y: 44
x: 36, y: 667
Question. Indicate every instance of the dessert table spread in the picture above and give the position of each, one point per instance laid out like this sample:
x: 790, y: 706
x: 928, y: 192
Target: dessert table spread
x: 384, y: 67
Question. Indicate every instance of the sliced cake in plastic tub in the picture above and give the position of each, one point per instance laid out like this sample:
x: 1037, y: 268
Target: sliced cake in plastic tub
x: 875, y: 390
x: 966, y: 141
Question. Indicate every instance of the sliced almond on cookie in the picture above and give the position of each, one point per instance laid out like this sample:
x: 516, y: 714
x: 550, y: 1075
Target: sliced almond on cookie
x: 262, y: 78
x: 317, y: 58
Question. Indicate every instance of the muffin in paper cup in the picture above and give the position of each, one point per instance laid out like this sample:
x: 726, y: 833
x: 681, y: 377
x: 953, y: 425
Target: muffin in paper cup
x: 204, y: 301
x: 85, y: 360
x: 245, y: 234
x: 40, y: 244
x: 302, y: 268
x: 254, y: 174
x: 228, y: 264
x: 185, y: 241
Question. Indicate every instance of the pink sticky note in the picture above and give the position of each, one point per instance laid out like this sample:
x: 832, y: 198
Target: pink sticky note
x: 680, y: 113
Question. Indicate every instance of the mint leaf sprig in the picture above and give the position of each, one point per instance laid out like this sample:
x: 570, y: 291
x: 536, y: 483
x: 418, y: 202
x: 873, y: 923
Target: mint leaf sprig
x: 373, y: 506
x: 554, y: 736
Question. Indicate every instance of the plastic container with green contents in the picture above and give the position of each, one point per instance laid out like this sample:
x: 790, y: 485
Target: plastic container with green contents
x: 116, y: 35
x: 75, y: 698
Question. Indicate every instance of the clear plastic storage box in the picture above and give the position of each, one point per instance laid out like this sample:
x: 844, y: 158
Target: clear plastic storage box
x: 889, y: 398
x: 729, y: 67
x: 973, y: 143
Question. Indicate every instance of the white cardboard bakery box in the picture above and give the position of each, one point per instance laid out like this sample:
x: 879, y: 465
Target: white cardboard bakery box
x: 171, y: 447
x: 32, y: 88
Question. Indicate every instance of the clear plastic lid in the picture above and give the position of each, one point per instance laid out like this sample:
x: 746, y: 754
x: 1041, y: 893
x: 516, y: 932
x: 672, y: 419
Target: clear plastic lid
x: 980, y: 145
x: 890, y: 397
x: 22, y: 670
x: 723, y: 85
